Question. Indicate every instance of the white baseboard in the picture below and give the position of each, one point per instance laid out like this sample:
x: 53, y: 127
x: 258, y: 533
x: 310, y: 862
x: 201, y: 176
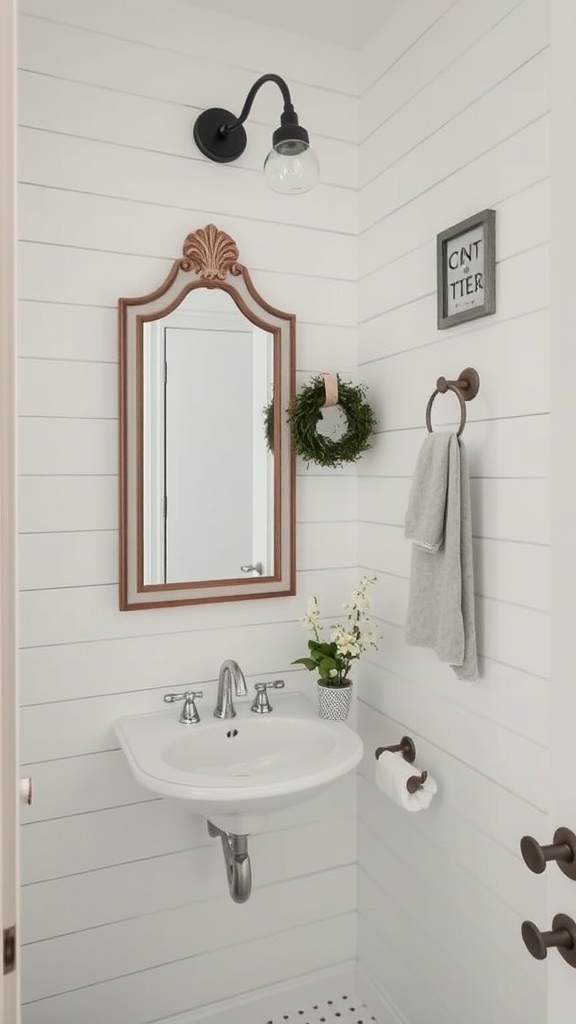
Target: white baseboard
x: 378, y: 1004
x: 285, y: 997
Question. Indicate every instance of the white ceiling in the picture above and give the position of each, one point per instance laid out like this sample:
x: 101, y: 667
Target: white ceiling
x: 348, y: 23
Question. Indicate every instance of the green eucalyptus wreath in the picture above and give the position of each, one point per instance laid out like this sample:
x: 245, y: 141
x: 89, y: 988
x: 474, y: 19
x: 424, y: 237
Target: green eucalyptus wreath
x: 306, y: 411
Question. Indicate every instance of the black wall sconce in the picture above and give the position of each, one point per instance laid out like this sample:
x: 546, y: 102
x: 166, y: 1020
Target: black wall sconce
x: 291, y: 165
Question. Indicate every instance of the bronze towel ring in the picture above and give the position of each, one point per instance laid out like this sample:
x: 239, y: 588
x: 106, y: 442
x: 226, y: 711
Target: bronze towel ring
x: 465, y: 388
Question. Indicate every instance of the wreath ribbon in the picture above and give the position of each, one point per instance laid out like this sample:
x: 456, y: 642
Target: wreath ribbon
x: 331, y: 389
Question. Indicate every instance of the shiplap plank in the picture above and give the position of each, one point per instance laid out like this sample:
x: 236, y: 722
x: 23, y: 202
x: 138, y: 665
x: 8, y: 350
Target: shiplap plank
x: 76, y: 447
x: 65, y: 388
x: 125, y: 33
x: 47, y: 330
x: 450, y: 838
x: 512, y: 698
x: 443, y: 891
x: 64, y: 504
x: 450, y: 40
x: 517, y: 573
x: 390, y: 969
x: 80, y: 785
x: 312, y: 837
x: 513, y: 635
x: 321, y: 346
x: 59, y: 105
x: 521, y: 32
x: 91, y: 558
x: 72, y: 503
x: 503, y: 392
x: 413, y: 275
x: 493, y: 810
x: 86, y: 276
x: 325, y: 498
x: 167, y: 660
x: 84, y: 724
x: 186, y: 984
x: 503, y: 110
x: 513, y: 510
x: 521, y: 281
x: 58, y: 216
x: 396, y: 39
x: 72, y: 614
x: 84, y: 842
x: 448, y: 963
x: 515, y: 449
x: 514, y: 572
x: 322, y: 546
x: 68, y: 559
x: 100, y: 954
x: 494, y: 179
x: 79, y: 843
x: 83, y: 165
x: 382, y: 500
x: 437, y: 347
x: 523, y: 223
x: 507, y: 758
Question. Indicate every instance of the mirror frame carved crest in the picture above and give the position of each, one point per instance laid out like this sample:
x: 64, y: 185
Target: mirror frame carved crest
x: 210, y: 259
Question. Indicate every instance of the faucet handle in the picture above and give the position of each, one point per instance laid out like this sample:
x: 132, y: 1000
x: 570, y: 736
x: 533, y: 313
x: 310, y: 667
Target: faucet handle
x: 261, y: 705
x: 189, y: 711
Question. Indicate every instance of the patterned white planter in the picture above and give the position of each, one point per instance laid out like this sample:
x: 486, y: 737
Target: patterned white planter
x: 334, y: 702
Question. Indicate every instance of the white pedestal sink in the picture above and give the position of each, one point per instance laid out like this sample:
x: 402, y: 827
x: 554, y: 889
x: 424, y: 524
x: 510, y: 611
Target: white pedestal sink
x: 238, y: 771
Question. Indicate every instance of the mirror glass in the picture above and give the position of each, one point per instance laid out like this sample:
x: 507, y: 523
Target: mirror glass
x: 207, y: 372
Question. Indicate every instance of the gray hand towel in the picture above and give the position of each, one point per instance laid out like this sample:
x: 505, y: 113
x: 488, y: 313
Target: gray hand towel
x: 438, y: 522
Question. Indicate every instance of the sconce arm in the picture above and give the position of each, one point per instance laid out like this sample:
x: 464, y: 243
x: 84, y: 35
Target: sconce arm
x: 289, y: 115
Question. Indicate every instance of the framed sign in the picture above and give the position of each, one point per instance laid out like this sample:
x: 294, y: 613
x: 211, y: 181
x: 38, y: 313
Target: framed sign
x: 466, y: 269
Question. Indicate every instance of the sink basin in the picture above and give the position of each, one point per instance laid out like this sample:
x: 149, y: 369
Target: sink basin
x: 239, y: 771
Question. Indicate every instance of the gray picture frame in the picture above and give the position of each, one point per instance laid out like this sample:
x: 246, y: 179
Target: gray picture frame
x: 466, y: 267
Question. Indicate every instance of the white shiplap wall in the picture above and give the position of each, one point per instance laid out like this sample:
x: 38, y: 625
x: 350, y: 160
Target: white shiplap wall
x: 454, y: 119
x: 125, y: 910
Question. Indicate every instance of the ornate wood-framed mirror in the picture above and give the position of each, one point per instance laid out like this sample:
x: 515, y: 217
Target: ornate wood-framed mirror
x: 207, y: 481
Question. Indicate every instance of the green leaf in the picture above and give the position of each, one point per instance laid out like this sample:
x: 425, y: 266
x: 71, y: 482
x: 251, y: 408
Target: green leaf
x: 307, y: 662
x: 327, y: 665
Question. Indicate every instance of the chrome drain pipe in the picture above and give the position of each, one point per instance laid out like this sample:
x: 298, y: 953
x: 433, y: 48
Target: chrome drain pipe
x: 237, y: 861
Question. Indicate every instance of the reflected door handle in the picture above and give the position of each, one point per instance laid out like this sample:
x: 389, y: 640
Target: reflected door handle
x: 562, y: 850
x: 259, y: 568
x: 25, y: 791
x: 562, y: 937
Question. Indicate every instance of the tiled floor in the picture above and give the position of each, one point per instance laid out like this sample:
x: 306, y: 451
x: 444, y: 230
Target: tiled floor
x: 341, y: 1009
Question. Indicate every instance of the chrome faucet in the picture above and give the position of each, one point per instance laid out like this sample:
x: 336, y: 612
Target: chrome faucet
x: 230, y: 673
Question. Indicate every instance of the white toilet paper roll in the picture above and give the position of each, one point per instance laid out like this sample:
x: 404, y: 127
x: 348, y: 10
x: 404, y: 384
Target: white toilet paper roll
x: 392, y: 774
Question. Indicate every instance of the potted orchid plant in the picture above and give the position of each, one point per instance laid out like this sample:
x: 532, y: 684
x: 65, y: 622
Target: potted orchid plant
x: 332, y: 659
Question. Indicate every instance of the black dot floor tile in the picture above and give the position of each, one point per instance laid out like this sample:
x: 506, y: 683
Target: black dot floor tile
x: 329, y: 1011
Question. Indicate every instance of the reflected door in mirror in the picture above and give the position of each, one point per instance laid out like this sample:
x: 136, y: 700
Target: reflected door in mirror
x: 208, y: 376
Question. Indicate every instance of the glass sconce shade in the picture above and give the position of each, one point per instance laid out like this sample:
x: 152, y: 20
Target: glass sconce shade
x: 291, y: 167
